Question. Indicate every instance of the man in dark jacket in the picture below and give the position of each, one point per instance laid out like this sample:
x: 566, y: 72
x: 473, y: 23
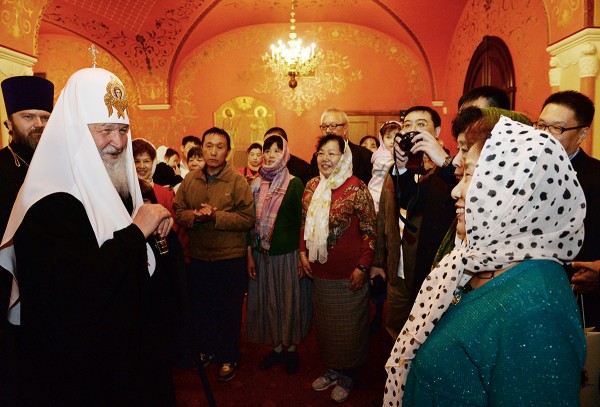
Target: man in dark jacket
x: 422, y: 196
x: 568, y: 116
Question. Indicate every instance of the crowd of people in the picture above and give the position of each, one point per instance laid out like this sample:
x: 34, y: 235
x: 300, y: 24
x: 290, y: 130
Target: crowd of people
x: 120, y: 259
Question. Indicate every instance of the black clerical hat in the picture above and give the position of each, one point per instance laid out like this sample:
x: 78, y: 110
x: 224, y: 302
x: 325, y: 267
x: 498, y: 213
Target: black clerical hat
x: 27, y: 93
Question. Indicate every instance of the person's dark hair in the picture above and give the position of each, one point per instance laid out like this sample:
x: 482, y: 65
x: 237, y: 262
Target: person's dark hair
x: 141, y: 146
x: 147, y: 191
x: 220, y: 132
x: 369, y: 137
x: 273, y: 139
x: 389, y: 126
x: 190, y: 139
x: 329, y: 137
x: 195, y: 152
x: 495, y: 97
x: 253, y: 146
x: 480, y: 130
x: 277, y: 130
x: 170, y: 153
x: 464, y: 119
x: 435, y: 117
x: 579, y: 103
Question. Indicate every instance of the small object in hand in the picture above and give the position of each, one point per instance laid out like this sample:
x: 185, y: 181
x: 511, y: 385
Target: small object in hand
x: 161, y: 244
x: 378, y: 286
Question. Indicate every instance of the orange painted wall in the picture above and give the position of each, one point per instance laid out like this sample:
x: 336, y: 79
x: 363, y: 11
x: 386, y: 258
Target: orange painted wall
x: 523, y: 27
x: 20, y: 23
x: 361, y: 70
x: 567, y: 17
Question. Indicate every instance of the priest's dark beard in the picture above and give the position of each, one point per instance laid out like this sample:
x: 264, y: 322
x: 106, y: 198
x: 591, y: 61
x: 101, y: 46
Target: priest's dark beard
x: 117, y: 173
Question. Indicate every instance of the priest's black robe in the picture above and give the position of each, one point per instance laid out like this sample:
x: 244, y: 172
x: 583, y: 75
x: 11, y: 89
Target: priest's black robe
x: 94, y: 323
x: 12, y: 174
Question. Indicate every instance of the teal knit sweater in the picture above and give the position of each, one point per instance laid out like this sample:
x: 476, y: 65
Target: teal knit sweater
x: 515, y: 341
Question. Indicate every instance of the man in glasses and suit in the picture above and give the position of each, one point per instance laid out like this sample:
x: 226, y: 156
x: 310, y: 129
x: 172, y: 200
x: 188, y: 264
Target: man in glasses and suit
x: 568, y: 116
x: 334, y: 121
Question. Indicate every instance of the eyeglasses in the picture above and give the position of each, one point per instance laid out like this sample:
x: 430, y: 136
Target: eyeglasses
x: 329, y: 156
x: 554, y: 130
x: 331, y: 126
x: 420, y: 124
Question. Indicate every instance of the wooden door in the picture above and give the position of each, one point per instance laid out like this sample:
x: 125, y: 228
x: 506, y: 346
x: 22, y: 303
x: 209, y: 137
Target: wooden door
x: 361, y: 124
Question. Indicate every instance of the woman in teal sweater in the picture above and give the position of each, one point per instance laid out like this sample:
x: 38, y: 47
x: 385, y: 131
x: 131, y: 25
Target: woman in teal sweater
x: 496, y: 322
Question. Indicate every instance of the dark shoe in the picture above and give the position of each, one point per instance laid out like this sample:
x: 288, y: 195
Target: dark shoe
x: 227, y: 371
x: 271, y: 360
x: 206, y: 359
x: 292, y: 363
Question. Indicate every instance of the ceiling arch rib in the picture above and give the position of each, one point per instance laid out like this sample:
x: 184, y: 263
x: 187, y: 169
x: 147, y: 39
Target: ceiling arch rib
x: 149, y: 36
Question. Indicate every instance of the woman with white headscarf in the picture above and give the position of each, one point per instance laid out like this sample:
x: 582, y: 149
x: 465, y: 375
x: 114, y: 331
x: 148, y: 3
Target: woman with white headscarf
x: 496, y: 323
x: 336, y: 249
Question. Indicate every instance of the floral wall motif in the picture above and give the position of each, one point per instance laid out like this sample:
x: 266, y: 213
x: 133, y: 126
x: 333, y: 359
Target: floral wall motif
x: 19, y: 23
x: 362, y: 69
x: 335, y: 70
x: 61, y: 56
x: 522, y: 26
x: 565, y: 16
x: 331, y: 78
x: 148, y: 54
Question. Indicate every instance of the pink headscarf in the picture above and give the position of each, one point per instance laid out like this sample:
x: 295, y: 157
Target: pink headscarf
x: 268, y: 190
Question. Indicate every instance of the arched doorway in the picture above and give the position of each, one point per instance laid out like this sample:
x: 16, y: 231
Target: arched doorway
x: 492, y: 65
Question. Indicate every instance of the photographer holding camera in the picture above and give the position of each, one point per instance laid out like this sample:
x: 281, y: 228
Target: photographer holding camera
x: 415, y: 211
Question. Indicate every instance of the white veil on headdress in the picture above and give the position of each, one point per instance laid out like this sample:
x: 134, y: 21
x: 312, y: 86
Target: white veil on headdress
x: 524, y: 202
x: 67, y: 160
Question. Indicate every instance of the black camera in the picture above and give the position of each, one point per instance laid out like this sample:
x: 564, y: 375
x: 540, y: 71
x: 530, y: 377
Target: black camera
x: 405, y: 140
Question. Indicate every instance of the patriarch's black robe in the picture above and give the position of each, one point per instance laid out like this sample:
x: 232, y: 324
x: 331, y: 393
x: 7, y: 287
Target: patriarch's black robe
x: 93, y: 321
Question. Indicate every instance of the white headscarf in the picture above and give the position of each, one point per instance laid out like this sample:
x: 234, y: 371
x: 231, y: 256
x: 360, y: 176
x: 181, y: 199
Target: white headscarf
x: 316, y: 227
x: 524, y: 202
x: 67, y: 160
x: 160, y: 154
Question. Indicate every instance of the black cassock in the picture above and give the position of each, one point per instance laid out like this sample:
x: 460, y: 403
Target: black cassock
x: 94, y: 324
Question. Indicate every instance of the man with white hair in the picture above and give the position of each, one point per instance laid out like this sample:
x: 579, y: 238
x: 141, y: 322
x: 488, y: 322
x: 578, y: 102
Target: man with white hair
x: 334, y: 121
x: 88, y: 289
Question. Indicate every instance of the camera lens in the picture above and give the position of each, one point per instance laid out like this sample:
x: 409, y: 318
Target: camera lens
x: 406, y: 142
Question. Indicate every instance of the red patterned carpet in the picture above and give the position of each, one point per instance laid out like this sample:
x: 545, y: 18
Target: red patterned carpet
x: 254, y: 388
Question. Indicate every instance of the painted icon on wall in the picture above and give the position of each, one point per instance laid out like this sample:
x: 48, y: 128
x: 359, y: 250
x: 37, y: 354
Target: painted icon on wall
x: 246, y: 119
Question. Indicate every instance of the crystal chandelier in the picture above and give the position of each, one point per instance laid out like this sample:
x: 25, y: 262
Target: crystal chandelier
x: 292, y: 58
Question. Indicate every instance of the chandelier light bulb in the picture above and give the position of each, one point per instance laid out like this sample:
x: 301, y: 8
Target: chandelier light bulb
x: 292, y: 58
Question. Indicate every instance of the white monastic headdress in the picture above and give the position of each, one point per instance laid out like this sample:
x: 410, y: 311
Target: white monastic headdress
x: 67, y: 160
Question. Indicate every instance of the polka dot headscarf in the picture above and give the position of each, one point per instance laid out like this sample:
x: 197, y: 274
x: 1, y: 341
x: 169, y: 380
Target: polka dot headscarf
x: 524, y: 202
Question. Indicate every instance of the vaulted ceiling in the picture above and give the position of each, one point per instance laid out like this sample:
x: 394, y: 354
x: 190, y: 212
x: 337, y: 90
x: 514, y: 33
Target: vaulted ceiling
x: 150, y: 36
